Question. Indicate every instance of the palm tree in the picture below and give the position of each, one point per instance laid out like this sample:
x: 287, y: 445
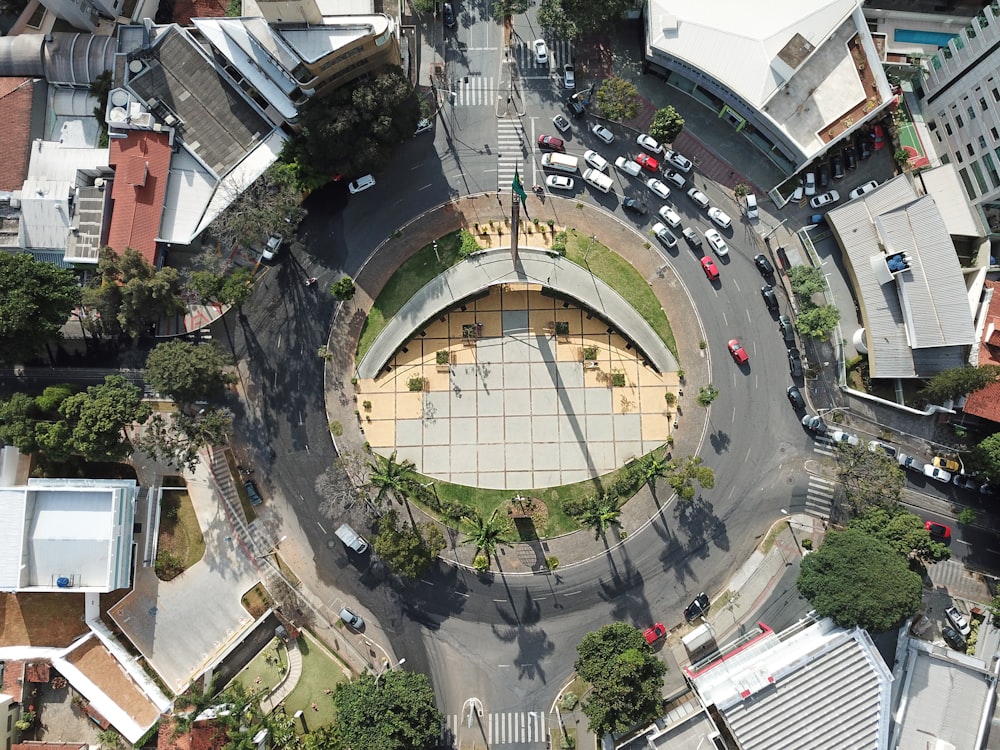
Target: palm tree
x: 652, y: 467
x: 394, y: 479
x: 488, y: 534
x: 601, y: 513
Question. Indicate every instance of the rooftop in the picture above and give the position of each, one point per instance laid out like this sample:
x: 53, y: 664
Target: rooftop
x: 985, y: 403
x: 16, y: 95
x: 313, y: 43
x: 142, y: 164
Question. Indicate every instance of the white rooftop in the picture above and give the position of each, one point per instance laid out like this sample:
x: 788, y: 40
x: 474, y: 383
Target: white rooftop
x: 312, y: 43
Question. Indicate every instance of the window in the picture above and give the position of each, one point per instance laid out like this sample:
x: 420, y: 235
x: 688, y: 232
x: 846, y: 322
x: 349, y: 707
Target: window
x: 982, y: 142
x: 996, y: 94
x: 947, y: 128
x: 958, y: 156
x: 991, y: 170
x: 972, y: 113
x: 945, y: 159
x: 970, y: 149
x: 982, y: 103
x: 964, y: 174
x: 979, y: 176
x: 959, y: 121
x: 996, y: 136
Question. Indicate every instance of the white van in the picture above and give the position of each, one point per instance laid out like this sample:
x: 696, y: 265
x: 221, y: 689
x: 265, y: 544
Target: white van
x: 699, y: 637
x: 352, y: 539
x: 561, y: 162
x: 599, y: 180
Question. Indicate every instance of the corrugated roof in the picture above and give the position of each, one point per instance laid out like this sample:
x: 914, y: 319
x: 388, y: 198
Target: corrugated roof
x: 142, y: 163
x: 77, y: 58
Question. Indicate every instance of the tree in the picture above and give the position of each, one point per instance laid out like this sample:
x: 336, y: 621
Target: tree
x: 857, y: 579
x: 394, y: 479
x: 618, y: 99
x: 667, y: 125
x: 600, y: 513
x: 186, y: 372
x: 806, y: 281
x: 109, y: 739
x: 504, y: 8
x: 682, y: 477
x: 394, y: 711
x: 227, y: 289
x: 488, y: 534
x: 36, y: 298
x: 626, y: 677
x: 343, y: 290
x: 949, y: 385
x: 817, y: 322
x: 741, y: 190
x: 271, y: 204
x: 553, y: 18
x: 901, y: 530
x: 407, y: 550
x: 653, y: 466
x: 28, y: 422
x: 95, y: 420
x: 869, y: 477
x: 580, y: 16
x: 706, y: 395
x: 985, y: 457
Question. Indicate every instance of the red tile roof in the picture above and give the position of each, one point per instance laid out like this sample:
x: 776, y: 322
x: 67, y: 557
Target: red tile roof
x: 15, y: 124
x: 207, y: 734
x: 38, y: 672
x: 141, y: 163
x: 185, y: 10
x: 986, y: 402
x: 13, y: 677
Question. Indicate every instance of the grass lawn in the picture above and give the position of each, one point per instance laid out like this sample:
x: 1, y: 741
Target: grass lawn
x: 180, y: 533
x: 321, y: 671
x: 266, y: 669
x: 256, y: 601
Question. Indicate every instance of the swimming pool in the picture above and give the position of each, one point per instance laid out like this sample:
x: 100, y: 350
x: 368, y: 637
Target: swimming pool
x: 913, y: 36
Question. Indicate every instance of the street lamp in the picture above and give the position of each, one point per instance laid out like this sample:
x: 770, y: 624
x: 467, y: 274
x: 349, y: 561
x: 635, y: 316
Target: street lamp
x: 273, y: 549
x: 788, y: 520
x: 586, y: 254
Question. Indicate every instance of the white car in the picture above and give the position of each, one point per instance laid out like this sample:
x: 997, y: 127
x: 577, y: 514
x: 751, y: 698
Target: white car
x: 596, y: 161
x: 862, y: 189
x: 603, y: 133
x: 676, y: 178
x: 362, y: 183
x: 831, y: 196
x: 649, y: 143
x: 671, y: 217
x: 958, y: 621
x: 657, y: 188
x: 423, y: 126
x: 718, y: 244
x: 679, y: 161
x: 935, y: 473
x: 627, y: 166
x: 720, y: 217
x: 796, y: 195
x: 541, y: 52
x: 560, y: 182
x: 839, y: 436
x: 272, y: 247
x: 561, y: 123
x: 810, y: 183
x: 752, y: 211
x: 664, y: 236
x: 698, y: 197
x: 569, y: 76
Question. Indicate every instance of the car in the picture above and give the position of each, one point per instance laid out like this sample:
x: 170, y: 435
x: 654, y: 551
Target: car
x: 862, y: 189
x: 627, y: 166
x: 739, y: 354
x: 649, y: 143
x: 837, y: 166
x: 795, y: 398
x: 603, y: 133
x: 752, y: 211
x: 827, y: 198
x: 814, y: 423
x: 763, y: 265
x: 910, y: 463
x: 664, y: 236
x: 949, y: 464
x: 561, y: 123
x: 938, y: 530
x: 551, y: 143
x: 850, y: 157
x: 678, y: 161
x: 708, y: 266
x: 635, y: 206
x: 675, y: 177
x: 954, y: 639
x: 272, y: 246
x: 863, y: 142
x: 569, y: 76
x: 937, y: 474
x: 796, y: 196
x: 596, y: 161
x: 770, y: 297
x: 423, y: 126
x: 958, y: 621
x: 720, y: 217
x: 252, y: 494
x: 692, y: 236
x: 698, y: 606
x: 575, y: 109
x: 967, y: 481
x: 560, y: 182
x: 648, y: 163
x: 670, y: 217
x: 787, y: 329
x: 654, y: 633
x: 878, y: 445
x: 794, y: 363
x: 449, y: 15
x: 658, y: 188
x: 809, y: 180
x: 823, y: 175
x: 989, y: 489
x: 842, y: 437
x: 878, y: 137
x: 351, y: 618
x: 541, y: 52
x: 698, y: 197
x: 361, y: 184
x: 717, y: 243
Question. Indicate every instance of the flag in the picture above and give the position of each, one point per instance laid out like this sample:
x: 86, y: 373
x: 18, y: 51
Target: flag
x: 518, y: 188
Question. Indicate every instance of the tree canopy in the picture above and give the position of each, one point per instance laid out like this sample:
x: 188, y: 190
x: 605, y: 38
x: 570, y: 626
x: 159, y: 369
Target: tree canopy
x: 177, y: 438
x: 185, y: 371
x: 985, y: 457
x: 858, y: 579
x: 901, y: 530
x: 570, y: 18
x: 617, y: 98
x: 683, y: 474
x: 553, y: 18
x: 818, y: 322
x: 268, y: 205
x: 394, y: 711
x: 502, y: 8
x: 408, y: 551
x: 869, y: 477
x: 959, y: 381
x: 667, y: 125
x: 36, y: 299
x: 806, y: 280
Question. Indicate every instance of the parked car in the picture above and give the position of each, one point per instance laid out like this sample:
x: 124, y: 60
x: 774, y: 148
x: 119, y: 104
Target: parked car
x: 989, y: 489
x: 770, y: 298
x: 937, y: 474
x: 654, y: 633
x: 252, y: 494
x: 720, y: 217
x: 878, y: 445
x: 814, y: 423
x: 670, y: 217
x: 795, y: 398
x: 596, y: 161
x: 541, y: 52
x: 837, y: 166
x: 948, y: 464
x: 361, y: 184
x: 649, y: 143
x: 794, y: 363
x: 423, y: 126
x: 560, y: 182
x: 551, y: 143
x: 678, y: 161
x: 823, y: 175
x: 692, y: 236
x: 958, y: 621
x: 634, y: 206
x: 763, y: 265
x: 752, y: 210
x: 787, y: 329
x: 575, y: 109
x: 603, y: 133
x: 878, y: 137
x: 967, y: 482
x: 657, y: 188
x: 698, y: 606
x: 825, y: 199
x: 698, y: 197
x: 272, y: 246
x: 809, y: 181
x: 561, y: 123
x: 843, y: 437
x: 708, y: 266
x: 910, y: 463
x: 850, y: 157
x: 797, y: 194
x: 717, y: 243
x: 863, y: 142
x: 938, y: 530
x: 862, y: 189
x: 648, y: 163
x: 569, y: 76
x: 664, y: 236
x: 628, y: 166
x: 675, y: 177
x: 954, y: 639
x: 351, y: 618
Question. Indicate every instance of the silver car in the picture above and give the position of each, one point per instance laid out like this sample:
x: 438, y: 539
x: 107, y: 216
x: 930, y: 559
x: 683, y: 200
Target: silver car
x: 352, y: 618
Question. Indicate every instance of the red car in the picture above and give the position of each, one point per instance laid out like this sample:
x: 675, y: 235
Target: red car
x: 708, y: 265
x: 740, y: 355
x: 551, y: 143
x: 648, y: 162
x: 654, y: 633
x: 878, y: 137
x: 938, y: 530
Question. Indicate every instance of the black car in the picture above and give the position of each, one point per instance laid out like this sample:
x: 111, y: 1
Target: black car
x: 252, y: 494
x: 697, y: 608
x: 770, y: 298
x: 989, y: 489
x: 763, y: 265
x: 787, y: 329
x: 795, y: 398
x: 634, y: 206
x: 954, y: 639
x: 863, y: 141
x: 449, y: 15
x: 851, y: 157
x: 837, y: 166
x: 795, y: 362
x: 575, y: 109
x: 823, y: 175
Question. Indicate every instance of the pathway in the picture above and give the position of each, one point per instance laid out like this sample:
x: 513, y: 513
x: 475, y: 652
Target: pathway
x: 287, y: 685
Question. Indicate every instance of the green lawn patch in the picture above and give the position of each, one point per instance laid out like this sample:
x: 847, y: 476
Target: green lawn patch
x: 180, y: 543
x: 321, y: 671
x: 265, y: 670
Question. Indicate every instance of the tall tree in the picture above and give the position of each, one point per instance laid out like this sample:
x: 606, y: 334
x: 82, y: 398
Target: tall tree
x: 393, y: 711
x: 618, y: 99
x: 682, y: 476
x: 553, y: 18
x: 408, y: 551
x: 488, y: 533
x: 985, y: 457
x: 960, y: 381
x: 96, y: 419
x: 393, y: 479
x: 270, y: 204
x: 667, y: 125
x: 901, y: 530
x: 504, y: 8
x: 653, y: 466
x: 186, y: 372
x: 869, y: 477
x: 600, y: 513
x: 581, y: 16
x: 36, y: 299
x: 806, y: 280
x: 818, y: 322
x: 177, y: 438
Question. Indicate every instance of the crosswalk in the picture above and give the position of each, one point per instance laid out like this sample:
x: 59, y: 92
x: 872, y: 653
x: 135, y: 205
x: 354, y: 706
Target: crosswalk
x: 560, y: 53
x: 475, y: 91
x: 513, y: 147
x: 819, y: 496
x: 824, y: 446
x: 525, y: 728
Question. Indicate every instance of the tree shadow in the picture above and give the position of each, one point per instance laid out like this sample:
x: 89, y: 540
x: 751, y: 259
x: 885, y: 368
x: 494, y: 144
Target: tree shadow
x: 720, y: 441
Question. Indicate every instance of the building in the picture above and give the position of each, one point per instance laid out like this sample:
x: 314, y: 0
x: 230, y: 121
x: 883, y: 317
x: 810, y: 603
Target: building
x: 795, y: 81
x: 985, y: 403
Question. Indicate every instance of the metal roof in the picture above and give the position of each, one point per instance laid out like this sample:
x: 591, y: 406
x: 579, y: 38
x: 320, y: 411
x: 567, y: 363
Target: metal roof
x: 78, y: 59
x: 21, y: 55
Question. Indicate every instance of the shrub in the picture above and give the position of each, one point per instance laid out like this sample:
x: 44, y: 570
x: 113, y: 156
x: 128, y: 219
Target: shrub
x: 671, y: 398
x: 967, y: 516
x: 618, y: 379
x: 559, y: 242
x: 367, y: 405
x: 590, y: 352
x: 467, y: 243
x: 415, y: 383
x: 551, y: 562
x: 570, y: 701
x: 481, y: 564
x: 336, y: 428
x: 442, y: 357
x: 807, y: 543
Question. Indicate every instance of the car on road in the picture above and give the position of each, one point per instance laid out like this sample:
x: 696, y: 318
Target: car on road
x: 909, y: 463
x: 937, y: 474
x: 361, y: 184
x: 654, y: 633
x: 739, y: 354
x: 569, y: 76
x: 809, y: 181
x: 603, y: 133
x: 658, y: 188
x: 938, y: 530
x: 449, y: 15
x: 551, y: 143
x: 708, y: 266
x: 958, y: 621
x: 253, y: 495
x: 575, y: 109
x: 561, y: 123
x: 698, y: 606
x: 670, y: 217
x: 837, y: 166
x: 635, y: 206
x: 649, y: 143
x: 842, y: 437
x: 664, y: 236
x: 692, y: 236
x: 596, y: 161
x: 864, y: 143
x: 795, y: 398
x: 560, y: 182
x: 878, y: 137
x: 648, y: 163
x: 786, y: 329
x: 752, y: 211
x: 989, y: 489
x: 628, y: 166
x: 678, y: 161
x: 850, y: 157
x: 948, y: 464
x: 720, y: 217
x: 272, y: 246
x: 967, y: 482
x: 825, y: 199
x: 814, y: 423
x: 698, y: 197
x: 675, y: 177
x: 769, y: 297
x: 351, y: 618
x: 862, y: 189
x: 794, y: 363
x: 954, y: 639
x: 763, y: 265
x: 878, y: 445
x: 541, y: 52
x: 423, y: 126
x: 717, y: 243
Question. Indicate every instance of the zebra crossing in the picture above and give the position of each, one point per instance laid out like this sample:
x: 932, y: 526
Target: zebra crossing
x: 513, y: 147
x: 502, y: 728
x: 475, y: 91
x: 824, y: 446
x: 819, y: 496
x: 560, y: 53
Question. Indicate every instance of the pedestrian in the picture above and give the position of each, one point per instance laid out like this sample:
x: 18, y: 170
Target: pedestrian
x: 310, y: 281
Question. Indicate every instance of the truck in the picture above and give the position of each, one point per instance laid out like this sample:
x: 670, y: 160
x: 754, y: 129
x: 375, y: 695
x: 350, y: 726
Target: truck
x: 352, y: 539
x: 561, y: 162
x: 699, y: 637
